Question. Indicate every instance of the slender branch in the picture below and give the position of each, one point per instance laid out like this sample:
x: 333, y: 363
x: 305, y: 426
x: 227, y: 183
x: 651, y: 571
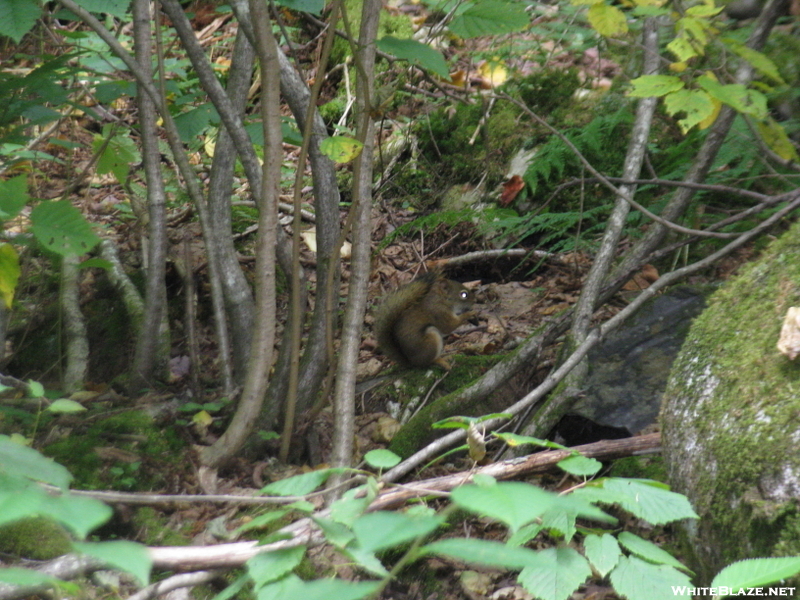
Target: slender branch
x: 344, y: 396
x: 151, y: 354
x: 74, y: 327
x: 261, y: 347
x: 296, y: 301
x: 181, y: 580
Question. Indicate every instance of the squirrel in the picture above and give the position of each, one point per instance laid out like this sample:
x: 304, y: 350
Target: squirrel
x: 411, y: 321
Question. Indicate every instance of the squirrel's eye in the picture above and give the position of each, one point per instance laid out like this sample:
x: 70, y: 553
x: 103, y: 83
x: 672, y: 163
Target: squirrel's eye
x: 464, y: 295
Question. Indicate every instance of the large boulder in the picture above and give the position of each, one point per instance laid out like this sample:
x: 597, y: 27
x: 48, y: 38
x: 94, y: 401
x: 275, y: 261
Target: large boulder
x: 731, y: 417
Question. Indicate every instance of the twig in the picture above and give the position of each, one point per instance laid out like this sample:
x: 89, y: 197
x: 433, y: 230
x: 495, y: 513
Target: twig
x: 175, y: 582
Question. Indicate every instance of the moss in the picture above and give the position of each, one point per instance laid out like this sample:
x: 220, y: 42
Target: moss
x: 638, y: 467
x: 134, y: 433
x: 450, y: 154
x: 35, y: 538
x: 154, y: 528
x: 415, y: 384
x: 730, y: 418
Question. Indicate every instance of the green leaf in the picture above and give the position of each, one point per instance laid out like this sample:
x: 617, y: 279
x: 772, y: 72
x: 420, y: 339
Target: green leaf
x: 756, y: 572
x: 65, y: 406
x: 525, y: 534
x: 61, y: 228
x: 9, y: 273
x: 602, y: 551
x: 775, y: 136
x: 17, y: 18
x: 635, y: 578
x: 336, y: 533
x: 384, y: 529
x: 366, y: 560
x: 694, y: 30
x: 580, y: 466
x: 348, y: 508
x: 294, y: 588
x: 21, y: 461
x: 19, y: 498
x: 682, y: 49
x: 559, y: 573
x: 126, y: 556
x: 13, y: 196
x: 381, y: 458
x: 490, y: 17
x: 737, y: 96
x: 644, y: 499
x: 649, y: 551
x: 35, y: 389
x: 561, y: 516
x: 704, y: 10
x: 654, y: 85
x: 513, y: 503
x: 116, y: 8
x: 25, y: 577
x: 96, y: 263
x: 267, y: 567
x: 300, y: 485
x: 308, y: 6
x: 514, y: 440
x: 116, y: 156
x: 77, y: 513
x: 261, y: 520
x: 607, y: 20
x: 232, y: 591
x: 195, y: 121
x: 760, y: 62
x: 697, y: 105
x: 340, y: 148
x: 483, y: 552
x: 416, y: 53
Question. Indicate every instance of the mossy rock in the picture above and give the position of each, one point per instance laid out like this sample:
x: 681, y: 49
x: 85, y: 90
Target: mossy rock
x: 35, y: 538
x: 729, y: 417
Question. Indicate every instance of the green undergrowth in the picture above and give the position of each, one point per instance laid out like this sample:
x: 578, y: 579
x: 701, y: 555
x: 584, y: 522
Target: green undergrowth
x: 145, y: 453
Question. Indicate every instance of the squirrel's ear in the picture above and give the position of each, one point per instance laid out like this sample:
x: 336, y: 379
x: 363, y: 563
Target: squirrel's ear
x: 441, y: 285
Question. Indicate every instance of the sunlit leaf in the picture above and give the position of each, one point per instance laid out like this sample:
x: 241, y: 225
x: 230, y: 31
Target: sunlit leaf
x: 654, y: 85
x: 65, y: 406
x: 340, y: 149
x: 775, y: 136
x: 608, y: 20
x: 9, y: 273
x: 697, y: 105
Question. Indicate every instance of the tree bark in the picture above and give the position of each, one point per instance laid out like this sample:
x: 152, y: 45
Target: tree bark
x: 239, y: 303
x: 261, y: 349
x: 152, y: 343
x: 74, y: 327
x: 344, y: 396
